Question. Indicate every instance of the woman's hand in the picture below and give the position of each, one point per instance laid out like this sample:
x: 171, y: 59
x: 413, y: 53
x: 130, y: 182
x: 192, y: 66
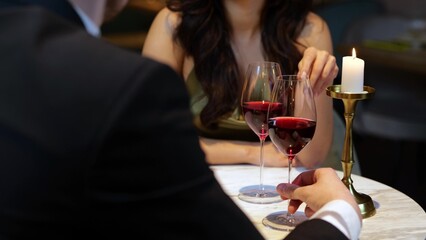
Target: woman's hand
x: 321, y: 68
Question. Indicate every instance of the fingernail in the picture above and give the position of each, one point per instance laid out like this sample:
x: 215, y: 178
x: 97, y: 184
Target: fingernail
x: 282, y: 187
x: 304, y: 75
x: 286, y: 188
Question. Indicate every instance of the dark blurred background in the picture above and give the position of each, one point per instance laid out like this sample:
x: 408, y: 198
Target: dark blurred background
x: 390, y: 35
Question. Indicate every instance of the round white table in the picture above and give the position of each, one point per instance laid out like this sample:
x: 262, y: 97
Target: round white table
x: 397, y: 215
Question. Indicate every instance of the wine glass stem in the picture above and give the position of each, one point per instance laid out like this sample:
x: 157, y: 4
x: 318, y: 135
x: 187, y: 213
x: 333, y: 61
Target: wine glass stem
x: 290, y: 218
x: 290, y: 164
x: 261, y: 164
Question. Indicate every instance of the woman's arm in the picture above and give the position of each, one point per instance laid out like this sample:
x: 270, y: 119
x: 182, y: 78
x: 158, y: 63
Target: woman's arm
x: 234, y: 152
x: 321, y: 67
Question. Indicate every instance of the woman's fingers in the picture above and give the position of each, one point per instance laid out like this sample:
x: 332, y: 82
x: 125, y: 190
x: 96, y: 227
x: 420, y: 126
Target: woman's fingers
x: 321, y: 67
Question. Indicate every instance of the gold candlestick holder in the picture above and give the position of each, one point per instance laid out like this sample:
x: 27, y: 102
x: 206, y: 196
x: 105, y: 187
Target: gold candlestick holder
x: 365, y: 203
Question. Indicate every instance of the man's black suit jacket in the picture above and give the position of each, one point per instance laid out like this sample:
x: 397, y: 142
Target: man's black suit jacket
x: 98, y: 142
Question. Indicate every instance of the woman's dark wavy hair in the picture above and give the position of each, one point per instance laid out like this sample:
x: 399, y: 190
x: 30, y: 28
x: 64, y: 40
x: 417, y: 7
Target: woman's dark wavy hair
x: 204, y: 34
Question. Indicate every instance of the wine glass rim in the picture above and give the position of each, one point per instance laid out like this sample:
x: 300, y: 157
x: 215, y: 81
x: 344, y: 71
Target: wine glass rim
x: 263, y: 62
x: 290, y: 77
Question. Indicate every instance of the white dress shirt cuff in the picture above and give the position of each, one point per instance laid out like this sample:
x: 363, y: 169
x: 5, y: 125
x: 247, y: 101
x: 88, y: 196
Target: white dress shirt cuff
x: 342, y: 215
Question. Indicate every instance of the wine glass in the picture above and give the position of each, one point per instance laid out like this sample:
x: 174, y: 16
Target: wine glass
x: 292, y: 123
x: 255, y: 98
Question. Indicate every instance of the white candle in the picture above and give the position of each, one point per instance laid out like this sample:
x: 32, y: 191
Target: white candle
x: 352, y: 73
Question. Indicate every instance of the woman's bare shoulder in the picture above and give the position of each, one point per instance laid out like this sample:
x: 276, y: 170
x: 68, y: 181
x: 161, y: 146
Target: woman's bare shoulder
x: 159, y: 43
x: 315, y: 32
x: 315, y: 25
x: 168, y: 18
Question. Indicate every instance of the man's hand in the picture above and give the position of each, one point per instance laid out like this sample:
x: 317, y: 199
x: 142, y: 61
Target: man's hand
x: 315, y: 188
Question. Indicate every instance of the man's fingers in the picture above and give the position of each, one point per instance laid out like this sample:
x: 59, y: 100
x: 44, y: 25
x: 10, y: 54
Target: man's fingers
x: 305, y: 178
x: 286, y: 190
x: 293, y: 205
x: 309, y: 212
x: 292, y: 192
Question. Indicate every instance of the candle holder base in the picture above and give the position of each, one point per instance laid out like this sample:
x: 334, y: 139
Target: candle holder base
x: 365, y: 203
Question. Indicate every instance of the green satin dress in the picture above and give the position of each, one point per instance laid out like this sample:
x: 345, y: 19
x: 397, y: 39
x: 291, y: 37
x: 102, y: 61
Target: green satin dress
x: 232, y: 128
x: 235, y: 128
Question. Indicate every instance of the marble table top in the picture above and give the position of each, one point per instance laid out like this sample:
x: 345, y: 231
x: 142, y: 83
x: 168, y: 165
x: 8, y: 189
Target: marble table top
x: 397, y: 215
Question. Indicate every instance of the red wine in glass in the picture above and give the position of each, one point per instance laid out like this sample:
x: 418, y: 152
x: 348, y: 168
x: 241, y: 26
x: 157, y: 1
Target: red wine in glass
x: 291, y: 126
x: 291, y: 134
x: 256, y: 116
x: 255, y: 100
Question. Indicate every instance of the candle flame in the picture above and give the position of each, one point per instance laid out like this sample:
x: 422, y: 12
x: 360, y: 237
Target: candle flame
x: 353, y: 53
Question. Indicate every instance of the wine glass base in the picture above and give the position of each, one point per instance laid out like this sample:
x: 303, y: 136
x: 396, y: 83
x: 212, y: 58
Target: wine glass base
x: 255, y: 194
x: 278, y: 221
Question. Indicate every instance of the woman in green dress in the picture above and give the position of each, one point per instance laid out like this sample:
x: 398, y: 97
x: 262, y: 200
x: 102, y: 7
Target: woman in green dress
x: 210, y: 44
